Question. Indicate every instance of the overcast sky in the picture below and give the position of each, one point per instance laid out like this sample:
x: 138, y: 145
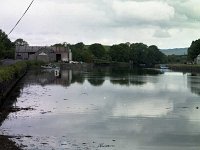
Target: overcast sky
x: 165, y: 23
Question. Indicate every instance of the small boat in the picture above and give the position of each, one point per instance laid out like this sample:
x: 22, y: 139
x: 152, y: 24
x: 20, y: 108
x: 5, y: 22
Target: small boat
x: 46, y: 67
x: 49, y: 66
x: 164, y: 67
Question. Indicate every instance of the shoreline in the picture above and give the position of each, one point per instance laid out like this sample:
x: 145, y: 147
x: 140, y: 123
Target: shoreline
x: 7, y: 144
x: 185, y: 68
x: 6, y: 87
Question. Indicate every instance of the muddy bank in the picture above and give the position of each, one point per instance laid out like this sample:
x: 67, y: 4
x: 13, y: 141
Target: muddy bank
x: 10, y: 75
x: 7, y: 144
x: 5, y: 109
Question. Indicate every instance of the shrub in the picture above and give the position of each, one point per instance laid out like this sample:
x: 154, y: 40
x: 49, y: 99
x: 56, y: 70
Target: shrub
x: 13, y: 71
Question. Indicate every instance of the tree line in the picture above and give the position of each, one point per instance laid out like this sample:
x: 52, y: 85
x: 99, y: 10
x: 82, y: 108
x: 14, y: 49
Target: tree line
x: 135, y: 53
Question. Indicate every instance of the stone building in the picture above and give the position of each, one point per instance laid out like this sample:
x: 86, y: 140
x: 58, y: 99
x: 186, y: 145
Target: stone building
x: 43, y: 53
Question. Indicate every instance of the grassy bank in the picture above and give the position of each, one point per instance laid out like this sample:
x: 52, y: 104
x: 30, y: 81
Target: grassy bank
x: 8, y: 73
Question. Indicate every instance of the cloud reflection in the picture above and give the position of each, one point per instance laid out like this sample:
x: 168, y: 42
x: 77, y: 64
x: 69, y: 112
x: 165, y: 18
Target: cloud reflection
x: 144, y: 108
x: 160, y: 114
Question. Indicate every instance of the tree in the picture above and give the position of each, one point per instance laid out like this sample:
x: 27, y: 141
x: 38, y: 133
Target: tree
x: 137, y: 53
x: 20, y: 42
x: 77, y: 51
x: 194, y: 50
x: 153, y: 55
x: 87, y: 56
x: 6, y: 46
x: 119, y: 52
x: 97, y: 50
x: 80, y: 46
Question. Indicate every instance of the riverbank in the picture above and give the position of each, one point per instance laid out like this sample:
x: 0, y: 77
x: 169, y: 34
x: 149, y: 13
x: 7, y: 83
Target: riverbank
x: 9, y: 76
x: 7, y: 144
x: 185, y: 68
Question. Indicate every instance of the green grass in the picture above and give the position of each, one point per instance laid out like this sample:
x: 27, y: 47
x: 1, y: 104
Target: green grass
x: 13, y: 71
x: 34, y: 63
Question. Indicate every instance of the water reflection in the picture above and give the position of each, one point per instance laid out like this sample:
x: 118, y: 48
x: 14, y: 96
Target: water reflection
x: 77, y: 76
x: 46, y: 77
x: 157, y: 114
x: 11, y: 100
x: 194, y: 83
x: 146, y: 108
x: 95, y: 77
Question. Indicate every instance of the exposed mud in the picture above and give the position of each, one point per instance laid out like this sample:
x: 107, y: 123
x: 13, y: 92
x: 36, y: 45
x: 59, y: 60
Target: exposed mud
x: 7, y: 144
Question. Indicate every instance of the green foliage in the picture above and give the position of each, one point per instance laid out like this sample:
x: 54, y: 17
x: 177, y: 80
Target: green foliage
x: 21, y: 42
x: 119, y: 53
x: 34, y: 63
x: 13, y: 71
x: 194, y: 50
x: 175, y: 59
x: 77, y: 51
x: 154, y: 56
x: 87, y: 56
x: 8, y: 73
x: 97, y: 50
x: 136, y: 53
x: 6, y: 46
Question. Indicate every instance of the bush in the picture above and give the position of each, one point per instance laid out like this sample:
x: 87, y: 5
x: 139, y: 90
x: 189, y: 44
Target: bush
x: 13, y: 71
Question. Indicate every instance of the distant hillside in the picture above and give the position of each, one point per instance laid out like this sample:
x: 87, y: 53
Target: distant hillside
x: 175, y: 51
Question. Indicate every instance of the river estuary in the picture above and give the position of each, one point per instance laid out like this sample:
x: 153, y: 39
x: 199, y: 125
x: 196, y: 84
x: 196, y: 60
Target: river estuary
x: 106, y: 109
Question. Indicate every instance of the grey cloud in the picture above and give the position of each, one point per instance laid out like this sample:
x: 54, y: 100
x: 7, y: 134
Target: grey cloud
x: 104, y: 21
x: 161, y: 34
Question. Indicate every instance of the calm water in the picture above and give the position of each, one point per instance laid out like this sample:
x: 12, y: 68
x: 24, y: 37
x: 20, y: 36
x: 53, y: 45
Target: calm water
x: 107, y: 109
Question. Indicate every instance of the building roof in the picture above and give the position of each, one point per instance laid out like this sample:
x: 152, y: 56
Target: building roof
x: 26, y: 49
